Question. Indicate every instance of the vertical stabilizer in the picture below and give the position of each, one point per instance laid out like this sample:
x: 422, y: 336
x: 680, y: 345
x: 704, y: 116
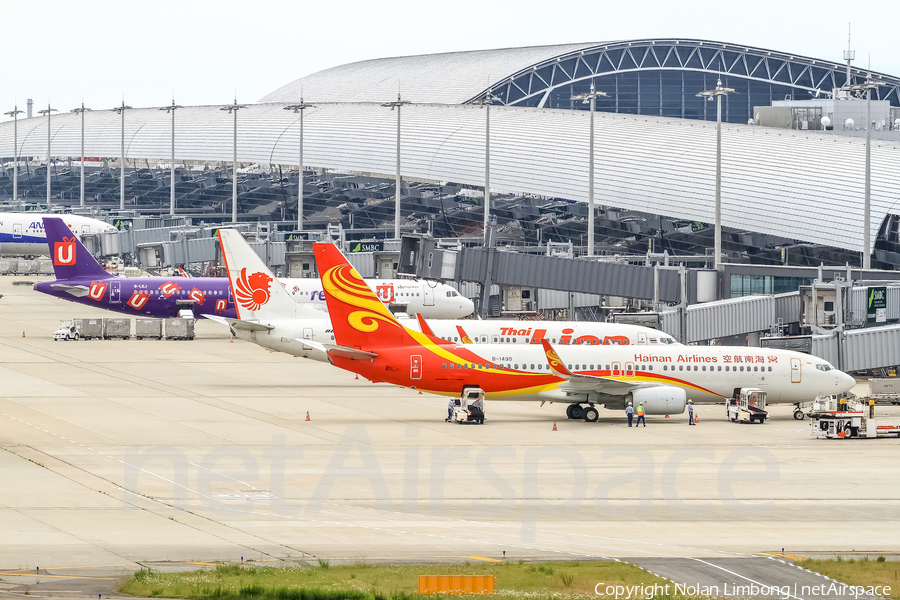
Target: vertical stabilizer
x: 257, y: 294
x: 71, y: 260
x: 359, y: 318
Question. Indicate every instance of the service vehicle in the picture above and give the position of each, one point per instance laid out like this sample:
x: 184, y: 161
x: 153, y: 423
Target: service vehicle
x: 747, y: 405
x: 469, y: 407
x: 839, y: 417
x: 66, y: 331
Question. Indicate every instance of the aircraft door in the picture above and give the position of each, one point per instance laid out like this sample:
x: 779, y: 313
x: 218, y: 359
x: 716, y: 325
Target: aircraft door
x: 115, y: 292
x: 307, y: 333
x: 629, y: 369
x: 17, y: 230
x: 428, y: 299
x: 795, y: 370
x: 85, y: 229
x: 642, y: 338
x: 415, y: 366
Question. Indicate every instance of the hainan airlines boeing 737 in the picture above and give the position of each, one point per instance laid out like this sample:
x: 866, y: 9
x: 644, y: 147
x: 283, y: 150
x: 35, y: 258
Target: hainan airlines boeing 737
x: 23, y: 233
x: 369, y: 341
x: 280, y: 324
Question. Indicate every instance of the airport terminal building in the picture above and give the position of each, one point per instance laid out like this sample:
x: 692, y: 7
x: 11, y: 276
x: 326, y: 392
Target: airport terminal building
x: 793, y: 195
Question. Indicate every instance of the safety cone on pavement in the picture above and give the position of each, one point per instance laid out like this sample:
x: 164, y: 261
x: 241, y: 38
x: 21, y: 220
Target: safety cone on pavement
x: 307, y: 416
x: 232, y: 339
x: 696, y: 419
x: 357, y: 377
x: 554, y: 426
x: 667, y: 416
x: 420, y: 392
x: 23, y: 333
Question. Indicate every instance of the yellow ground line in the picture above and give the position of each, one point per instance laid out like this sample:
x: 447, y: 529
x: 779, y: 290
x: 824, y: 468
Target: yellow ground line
x: 783, y: 555
x: 208, y: 564
x: 483, y: 558
x: 57, y: 576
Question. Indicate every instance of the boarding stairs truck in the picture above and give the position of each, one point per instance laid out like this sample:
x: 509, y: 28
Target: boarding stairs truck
x: 469, y: 407
x: 748, y: 405
x: 832, y: 417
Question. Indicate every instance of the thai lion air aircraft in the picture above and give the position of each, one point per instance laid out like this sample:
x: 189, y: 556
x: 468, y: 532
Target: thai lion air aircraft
x: 369, y: 341
x: 278, y: 323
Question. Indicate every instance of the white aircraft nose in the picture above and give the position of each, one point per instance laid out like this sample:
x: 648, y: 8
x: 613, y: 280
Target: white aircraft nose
x: 845, y: 382
x: 468, y: 306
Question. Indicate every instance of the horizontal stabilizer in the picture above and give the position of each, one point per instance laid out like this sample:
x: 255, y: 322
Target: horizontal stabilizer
x: 341, y: 351
x: 78, y: 291
x: 237, y: 324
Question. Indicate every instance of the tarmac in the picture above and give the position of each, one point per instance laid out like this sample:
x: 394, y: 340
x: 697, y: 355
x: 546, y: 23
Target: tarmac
x: 118, y: 454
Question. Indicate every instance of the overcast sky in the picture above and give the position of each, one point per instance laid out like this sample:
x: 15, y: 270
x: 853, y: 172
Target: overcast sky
x: 204, y: 52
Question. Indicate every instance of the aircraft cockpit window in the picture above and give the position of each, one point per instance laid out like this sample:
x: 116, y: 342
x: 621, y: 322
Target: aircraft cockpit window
x: 824, y: 367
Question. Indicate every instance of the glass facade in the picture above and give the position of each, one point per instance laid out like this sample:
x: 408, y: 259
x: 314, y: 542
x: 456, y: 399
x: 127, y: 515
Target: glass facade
x: 663, y: 77
x: 757, y: 285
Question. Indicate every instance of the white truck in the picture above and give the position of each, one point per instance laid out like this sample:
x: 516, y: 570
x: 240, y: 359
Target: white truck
x: 66, y: 331
x: 832, y: 417
x: 748, y: 405
x: 469, y: 407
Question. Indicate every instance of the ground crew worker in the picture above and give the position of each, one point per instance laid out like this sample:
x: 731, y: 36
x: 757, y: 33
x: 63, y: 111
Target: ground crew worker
x: 640, y: 414
x: 691, y: 413
x: 449, y: 411
x: 629, y: 412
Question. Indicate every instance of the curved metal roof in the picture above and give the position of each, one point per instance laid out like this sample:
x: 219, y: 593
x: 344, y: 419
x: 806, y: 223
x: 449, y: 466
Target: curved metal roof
x: 527, y: 76
x: 446, y: 78
x: 799, y: 185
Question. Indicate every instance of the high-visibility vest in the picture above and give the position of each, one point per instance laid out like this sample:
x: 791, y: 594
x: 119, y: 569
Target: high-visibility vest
x: 640, y: 410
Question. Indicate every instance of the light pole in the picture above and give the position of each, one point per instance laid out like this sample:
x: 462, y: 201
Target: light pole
x: 233, y: 108
x: 14, y: 114
x: 591, y: 98
x: 82, y: 111
x: 489, y: 98
x: 172, y: 109
x: 717, y: 93
x: 121, y: 110
x: 397, y: 105
x: 299, y: 108
x: 47, y: 112
x: 858, y: 89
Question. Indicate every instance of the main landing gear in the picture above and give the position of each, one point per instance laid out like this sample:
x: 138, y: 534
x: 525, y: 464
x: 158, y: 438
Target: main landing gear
x: 588, y: 413
x: 798, y: 414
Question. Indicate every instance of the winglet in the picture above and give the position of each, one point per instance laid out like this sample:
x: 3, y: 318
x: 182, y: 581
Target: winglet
x: 424, y: 326
x: 556, y: 363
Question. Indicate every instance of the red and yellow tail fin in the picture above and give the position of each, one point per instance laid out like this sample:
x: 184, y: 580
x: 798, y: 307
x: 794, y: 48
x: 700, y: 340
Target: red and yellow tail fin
x: 359, y: 318
x: 463, y: 336
x: 556, y: 363
x: 424, y: 326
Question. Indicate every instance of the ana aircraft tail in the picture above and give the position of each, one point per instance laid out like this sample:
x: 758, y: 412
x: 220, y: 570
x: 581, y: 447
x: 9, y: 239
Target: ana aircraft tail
x: 359, y: 318
x: 70, y: 258
x: 257, y: 295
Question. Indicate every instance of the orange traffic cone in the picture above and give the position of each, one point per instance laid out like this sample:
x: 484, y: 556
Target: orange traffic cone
x: 667, y: 416
x: 23, y: 333
x: 357, y: 377
x: 420, y: 392
x: 696, y: 418
x: 554, y: 426
x: 307, y: 416
x: 232, y: 339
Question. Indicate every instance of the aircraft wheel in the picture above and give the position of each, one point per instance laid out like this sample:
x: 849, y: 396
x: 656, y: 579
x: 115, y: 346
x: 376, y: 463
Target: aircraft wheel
x: 590, y: 414
x: 570, y: 409
x: 798, y: 414
x: 577, y: 411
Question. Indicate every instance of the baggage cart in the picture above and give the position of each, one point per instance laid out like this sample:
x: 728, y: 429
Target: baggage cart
x: 116, y: 328
x: 89, y: 328
x: 180, y: 329
x: 148, y: 328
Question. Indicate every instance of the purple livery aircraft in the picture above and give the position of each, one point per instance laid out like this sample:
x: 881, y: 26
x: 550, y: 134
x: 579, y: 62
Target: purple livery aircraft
x: 80, y: 278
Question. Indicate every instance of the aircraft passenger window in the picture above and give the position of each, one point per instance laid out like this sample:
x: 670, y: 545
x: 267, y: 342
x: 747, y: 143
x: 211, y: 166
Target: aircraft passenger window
x: 770, y: 369
x: 554, y: 340
x: 704, y: 367
x: 756, y: 368
x: 444, y: 365
x: 650, y: 367
x: 592, y: 367
x: 516, y: 366
x: 742, y: 367
x: 681, y: 367
x: 532, y: 367
x: 696, y: 368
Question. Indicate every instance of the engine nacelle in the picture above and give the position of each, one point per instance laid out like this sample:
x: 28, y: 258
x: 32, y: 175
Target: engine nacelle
x: 662, y: 400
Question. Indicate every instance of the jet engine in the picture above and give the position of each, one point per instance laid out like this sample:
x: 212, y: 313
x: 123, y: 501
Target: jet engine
x: 662, y: 400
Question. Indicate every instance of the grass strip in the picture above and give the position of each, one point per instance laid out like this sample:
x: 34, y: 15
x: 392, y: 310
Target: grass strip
x: 860, y: 572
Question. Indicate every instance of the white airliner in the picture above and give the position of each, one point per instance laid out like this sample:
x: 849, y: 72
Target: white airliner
x: 432, y: 300
x: 280, y: 325
x: 22, y: 234
x: 370, y: 342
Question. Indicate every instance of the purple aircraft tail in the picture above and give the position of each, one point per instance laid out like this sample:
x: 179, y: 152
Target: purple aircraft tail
x: 71, y: 259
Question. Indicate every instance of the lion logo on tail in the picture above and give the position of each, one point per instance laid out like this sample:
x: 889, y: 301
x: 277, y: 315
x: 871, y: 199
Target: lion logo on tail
x: 253, y: 291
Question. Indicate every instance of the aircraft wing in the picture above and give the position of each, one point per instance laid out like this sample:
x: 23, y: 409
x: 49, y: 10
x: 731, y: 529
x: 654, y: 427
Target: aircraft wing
x: 588, y: 383
x: 237, y: 324
x: 342, y: 351
x: 76, y: 290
